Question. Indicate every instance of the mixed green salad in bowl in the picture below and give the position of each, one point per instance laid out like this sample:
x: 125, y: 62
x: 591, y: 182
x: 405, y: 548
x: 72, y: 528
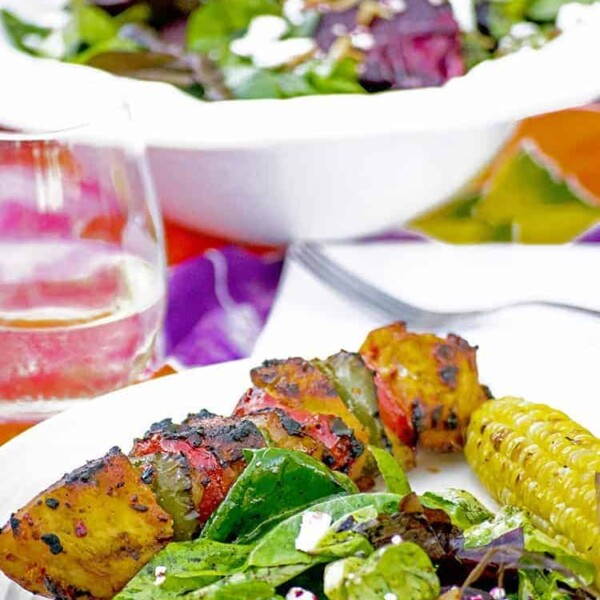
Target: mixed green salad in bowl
x: 224, y: 49
x: 291, y: 528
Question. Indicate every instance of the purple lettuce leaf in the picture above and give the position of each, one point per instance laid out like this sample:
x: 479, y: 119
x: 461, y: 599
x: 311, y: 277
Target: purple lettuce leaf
x: 419, y: 46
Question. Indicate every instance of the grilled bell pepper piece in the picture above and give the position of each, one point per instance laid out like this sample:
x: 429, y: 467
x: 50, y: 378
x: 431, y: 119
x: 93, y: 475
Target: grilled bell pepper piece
x: 88, y: 534
x: 536, y: 458
x: 353, y: 381
x: 170, y: 479
x: 214, y: 448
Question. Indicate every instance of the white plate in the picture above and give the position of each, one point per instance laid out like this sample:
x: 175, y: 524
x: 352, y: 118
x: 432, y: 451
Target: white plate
x: 41, y: 455
x: 323, y: 166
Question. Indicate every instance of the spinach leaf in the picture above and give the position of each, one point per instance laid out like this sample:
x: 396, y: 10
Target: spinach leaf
x: 25, y: 36
x: 91, y: 24
x: 333, y: 77
x: 403, y: 570
x: 216, y: 22
x: 253, y: 584
x: 343, y: 539
x: 392, y: 472
x: 278, y: 546
x: 275, y: 482
x: 462, y: 507
x: 503, y: 14
x: 187, y: 567
x: 92, y: 31
x: 247, y: 82
x: 116, y: 49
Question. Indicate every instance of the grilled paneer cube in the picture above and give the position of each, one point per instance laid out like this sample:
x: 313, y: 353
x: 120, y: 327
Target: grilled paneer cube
x: 427, y: 388
x: 307, y: 396
x: 88, y: 534
x: 213, y: 447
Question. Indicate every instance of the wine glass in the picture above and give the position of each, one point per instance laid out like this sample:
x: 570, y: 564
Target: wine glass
x: 82, y: 265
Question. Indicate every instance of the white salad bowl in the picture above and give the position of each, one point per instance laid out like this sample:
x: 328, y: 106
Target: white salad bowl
x: 326, y: 167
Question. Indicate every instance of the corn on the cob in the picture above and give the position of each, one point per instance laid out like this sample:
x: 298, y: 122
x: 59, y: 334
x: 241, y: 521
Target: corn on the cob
x: 536, y: 458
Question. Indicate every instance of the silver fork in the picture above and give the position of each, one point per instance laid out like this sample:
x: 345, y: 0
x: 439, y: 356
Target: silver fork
x: 384, y: 306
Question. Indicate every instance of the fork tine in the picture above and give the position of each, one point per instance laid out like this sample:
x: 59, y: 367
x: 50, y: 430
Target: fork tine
x: 347, y: 282
x: 375, y: 300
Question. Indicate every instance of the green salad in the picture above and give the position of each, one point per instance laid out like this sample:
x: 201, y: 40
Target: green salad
x: 290, y: 528
x: 244, y: 49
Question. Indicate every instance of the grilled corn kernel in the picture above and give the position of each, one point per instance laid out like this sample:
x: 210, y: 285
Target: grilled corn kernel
x: 536, y: 458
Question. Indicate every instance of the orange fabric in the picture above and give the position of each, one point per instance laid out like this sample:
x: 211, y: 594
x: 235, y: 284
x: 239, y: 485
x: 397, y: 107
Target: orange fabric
x: 183, y: 243
x: 571, y: 138
x: 11, y: 429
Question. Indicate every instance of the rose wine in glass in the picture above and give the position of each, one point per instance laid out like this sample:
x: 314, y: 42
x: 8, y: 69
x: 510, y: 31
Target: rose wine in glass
x: 82, y: 264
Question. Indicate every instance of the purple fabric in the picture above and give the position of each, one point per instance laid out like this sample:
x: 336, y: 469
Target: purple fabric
x: 592, y: 236
x: 218, y: 304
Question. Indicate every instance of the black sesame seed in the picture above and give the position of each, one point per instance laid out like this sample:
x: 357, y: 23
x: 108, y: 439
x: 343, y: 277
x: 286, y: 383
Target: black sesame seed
x: 291, y: 426
x: 448, y: 375
x: 52, y: 503
x: 329, y: 460
x: 340, y: 428
x: 53, y: 542
x: 14, y: 523
x: 147, y: 475
x: 452, y: 421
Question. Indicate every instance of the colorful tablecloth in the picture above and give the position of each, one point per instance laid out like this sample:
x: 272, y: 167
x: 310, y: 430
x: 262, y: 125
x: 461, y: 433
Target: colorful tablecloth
x: 544, y: 187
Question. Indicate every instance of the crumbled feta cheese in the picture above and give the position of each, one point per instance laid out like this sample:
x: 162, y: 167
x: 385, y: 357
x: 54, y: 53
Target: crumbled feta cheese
x: 264, y: 46
x: 396, y: 539
x: 363, y: 40
x: 298, y: 593
x: 390, y: 596
x: 396, y: 6
x: 160, y: 575
x: 521, y: 31
x: 464, y: 13
x: 339, y: 29
x: 262, y: 31
x: 267, y: 27
x: 294, y: 11
x: 312, y: 530
x: 283, y: 52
